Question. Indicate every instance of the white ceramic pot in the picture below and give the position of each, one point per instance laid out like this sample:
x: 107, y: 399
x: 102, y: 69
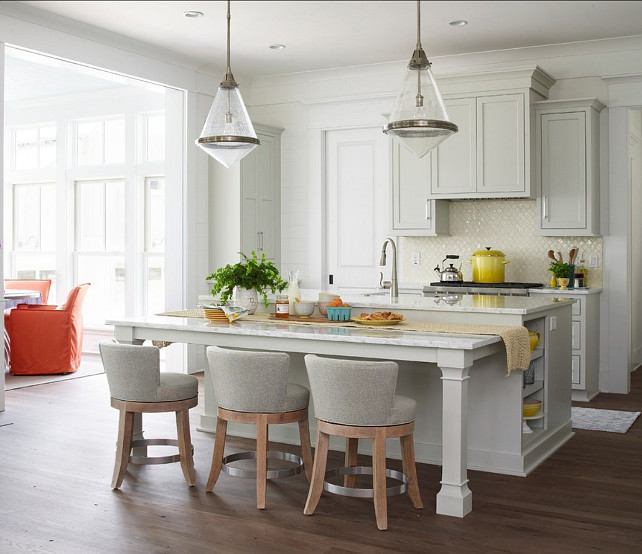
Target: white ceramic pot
x: 245, y: 298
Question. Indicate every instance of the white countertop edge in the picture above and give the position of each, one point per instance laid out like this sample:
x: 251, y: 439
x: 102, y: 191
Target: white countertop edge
x: 314, y: 332
x: 550, y: 290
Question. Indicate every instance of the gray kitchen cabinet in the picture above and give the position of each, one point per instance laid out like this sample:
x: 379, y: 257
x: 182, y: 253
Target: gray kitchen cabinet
x: 261, y: 195
x: 489, y: 156
x: 585, y: 340
x: 414, y: 213
x: 567, y: 167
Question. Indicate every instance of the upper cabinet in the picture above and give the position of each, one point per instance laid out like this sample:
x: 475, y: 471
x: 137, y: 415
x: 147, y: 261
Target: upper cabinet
x: 414, y: 213
x: 261, y: 195
x: 567, y: 167
x: 486, y: 158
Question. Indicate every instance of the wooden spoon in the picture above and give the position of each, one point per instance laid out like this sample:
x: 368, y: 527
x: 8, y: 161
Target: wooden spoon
x: 560, y: 256
x: 551, y: 255
x: 571, y: 256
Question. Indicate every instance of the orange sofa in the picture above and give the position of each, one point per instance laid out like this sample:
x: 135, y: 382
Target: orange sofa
x: 41, y: 285
x: 46, y: 339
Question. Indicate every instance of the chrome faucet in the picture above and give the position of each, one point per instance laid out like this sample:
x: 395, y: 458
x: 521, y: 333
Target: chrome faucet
x: 394, y: 286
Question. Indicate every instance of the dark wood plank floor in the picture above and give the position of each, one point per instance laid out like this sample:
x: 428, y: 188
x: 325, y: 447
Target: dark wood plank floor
x: 56, y: 456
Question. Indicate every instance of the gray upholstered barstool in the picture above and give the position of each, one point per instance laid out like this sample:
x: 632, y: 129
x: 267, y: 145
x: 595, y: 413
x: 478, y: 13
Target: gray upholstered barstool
x: 356, y: 399
x: 137, y: 386
x: 252, y: 387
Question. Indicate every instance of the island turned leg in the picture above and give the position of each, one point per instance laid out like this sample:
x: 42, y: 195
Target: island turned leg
x: 454, y: 498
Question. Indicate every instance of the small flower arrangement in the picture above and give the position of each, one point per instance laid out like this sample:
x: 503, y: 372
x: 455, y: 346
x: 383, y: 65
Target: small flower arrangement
x: 250, y: 273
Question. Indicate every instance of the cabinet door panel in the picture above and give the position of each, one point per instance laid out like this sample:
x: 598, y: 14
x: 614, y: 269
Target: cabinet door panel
x: 500, y: 144
x: 454, y: 168
x: 576, y: 335
x: 576, y: 373
x: 563, y: 170
x: 410, y: 189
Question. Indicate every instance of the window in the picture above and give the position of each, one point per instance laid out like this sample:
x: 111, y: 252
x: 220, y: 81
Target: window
x: 34, y: 147
x: 100, y: 142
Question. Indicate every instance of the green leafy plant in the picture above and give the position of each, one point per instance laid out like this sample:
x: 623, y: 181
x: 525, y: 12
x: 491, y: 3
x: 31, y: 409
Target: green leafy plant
x: 250, y: 273
x: 561, y: 270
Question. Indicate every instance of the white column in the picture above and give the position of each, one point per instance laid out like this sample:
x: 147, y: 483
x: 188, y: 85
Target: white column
x: 454, y: 498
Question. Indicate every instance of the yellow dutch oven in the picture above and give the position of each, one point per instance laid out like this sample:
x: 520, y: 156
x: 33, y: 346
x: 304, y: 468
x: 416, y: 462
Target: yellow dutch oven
x: 488, y: 266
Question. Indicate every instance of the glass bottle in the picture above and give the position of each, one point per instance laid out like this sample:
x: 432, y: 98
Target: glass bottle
x: 282, y: 306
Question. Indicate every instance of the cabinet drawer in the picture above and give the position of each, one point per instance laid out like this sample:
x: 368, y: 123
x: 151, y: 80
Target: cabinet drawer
x: 577, y: 307
x: 576, y: 335
x: 576, y: 374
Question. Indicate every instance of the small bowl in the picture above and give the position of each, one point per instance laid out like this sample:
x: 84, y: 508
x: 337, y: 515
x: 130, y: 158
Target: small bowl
x: 327, y: 296
x: 303, y: 308
x: 531, y: 408
x: 336, y: 313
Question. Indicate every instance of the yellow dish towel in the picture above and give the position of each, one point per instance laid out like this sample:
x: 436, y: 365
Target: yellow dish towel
x: 516, y: 339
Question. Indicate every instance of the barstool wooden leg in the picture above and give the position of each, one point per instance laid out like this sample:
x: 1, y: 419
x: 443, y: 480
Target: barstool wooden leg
x: 318, y: 473
x: 185, y: 446
x: 379, y: 478
x: 261, y: 459
x: 306, y: 449
x: 352, y: 446
x: 217, y: 456
x: 410, y: 469
x: 123, y: 447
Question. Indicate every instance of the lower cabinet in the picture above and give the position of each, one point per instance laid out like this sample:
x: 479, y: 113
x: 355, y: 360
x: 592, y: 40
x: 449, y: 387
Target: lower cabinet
x: 585, y: 341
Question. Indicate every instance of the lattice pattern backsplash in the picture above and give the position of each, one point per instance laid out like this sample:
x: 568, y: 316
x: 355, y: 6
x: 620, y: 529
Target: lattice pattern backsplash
x: 507, y: 225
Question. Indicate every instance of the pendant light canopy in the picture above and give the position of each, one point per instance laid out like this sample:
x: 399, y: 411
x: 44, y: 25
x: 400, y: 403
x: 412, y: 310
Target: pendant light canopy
x: 419, y: 119
x: 228, y: 134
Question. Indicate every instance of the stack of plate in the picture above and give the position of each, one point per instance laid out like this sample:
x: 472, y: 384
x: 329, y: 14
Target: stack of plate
x: 214, y: 314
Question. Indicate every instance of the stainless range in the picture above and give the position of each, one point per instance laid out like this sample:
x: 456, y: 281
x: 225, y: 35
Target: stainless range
x: 468, y: 287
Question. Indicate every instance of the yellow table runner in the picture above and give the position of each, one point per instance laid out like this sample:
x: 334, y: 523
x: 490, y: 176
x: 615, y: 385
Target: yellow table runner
x: 516, y: 339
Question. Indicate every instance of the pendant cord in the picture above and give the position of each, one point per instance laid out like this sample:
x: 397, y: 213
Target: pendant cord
x: 418, y: 24
x: 229, y: 17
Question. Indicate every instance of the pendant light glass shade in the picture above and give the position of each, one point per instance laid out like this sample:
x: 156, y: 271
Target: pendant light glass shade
x: 419, y: 120
x: 228, y: 134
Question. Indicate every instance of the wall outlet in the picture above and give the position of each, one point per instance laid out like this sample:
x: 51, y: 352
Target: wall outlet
x: 552, y: 323
x: 415, y: 258
x: 593, y: 260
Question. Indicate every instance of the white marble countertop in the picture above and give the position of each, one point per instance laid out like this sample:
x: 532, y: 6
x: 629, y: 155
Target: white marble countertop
x: 551, y: 290
x: 322, y: 332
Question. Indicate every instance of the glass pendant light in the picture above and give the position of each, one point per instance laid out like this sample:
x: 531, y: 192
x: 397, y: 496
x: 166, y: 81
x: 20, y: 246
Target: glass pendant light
x: 419, y: 119
x: 228, y: 134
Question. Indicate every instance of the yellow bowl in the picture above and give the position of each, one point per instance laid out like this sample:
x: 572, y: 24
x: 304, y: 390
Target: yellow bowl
x: 531, y: 408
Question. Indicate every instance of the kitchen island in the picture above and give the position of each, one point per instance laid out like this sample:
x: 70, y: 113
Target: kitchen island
x: 469, y: 411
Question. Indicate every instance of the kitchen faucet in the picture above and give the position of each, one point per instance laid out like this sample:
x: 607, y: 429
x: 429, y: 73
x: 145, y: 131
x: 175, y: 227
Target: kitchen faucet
x: 394, y: 286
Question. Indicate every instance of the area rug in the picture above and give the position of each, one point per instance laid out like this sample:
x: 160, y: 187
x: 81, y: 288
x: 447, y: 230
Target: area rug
x: 592, y: 419
x: 20, y: 381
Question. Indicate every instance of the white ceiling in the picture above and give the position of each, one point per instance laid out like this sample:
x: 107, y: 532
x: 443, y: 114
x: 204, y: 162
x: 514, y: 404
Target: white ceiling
x: 328, y: 34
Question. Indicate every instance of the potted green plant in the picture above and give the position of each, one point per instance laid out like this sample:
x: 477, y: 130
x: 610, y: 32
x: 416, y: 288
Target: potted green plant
x: 251, y: 274
x: 562, y: 272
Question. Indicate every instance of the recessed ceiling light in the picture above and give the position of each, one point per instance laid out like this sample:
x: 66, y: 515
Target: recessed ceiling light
x: 458, y: 23
x: 193, y: 13
x: 276, y: 46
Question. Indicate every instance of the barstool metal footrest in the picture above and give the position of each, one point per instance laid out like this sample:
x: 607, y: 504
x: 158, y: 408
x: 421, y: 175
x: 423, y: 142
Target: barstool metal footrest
x: 362, y: 492
x: 146, y: 460
x: 271, y: 473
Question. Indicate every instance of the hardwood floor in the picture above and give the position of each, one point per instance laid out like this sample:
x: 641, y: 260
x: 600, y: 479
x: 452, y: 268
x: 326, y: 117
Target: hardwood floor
x: 57, y: 452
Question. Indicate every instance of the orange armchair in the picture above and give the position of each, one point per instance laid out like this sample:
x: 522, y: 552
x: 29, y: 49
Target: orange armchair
x: 46, y: 339
x: 41, y: 285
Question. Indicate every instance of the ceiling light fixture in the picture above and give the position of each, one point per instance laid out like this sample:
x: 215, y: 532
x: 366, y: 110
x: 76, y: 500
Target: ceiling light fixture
x: 419, y: 119
x: 228, y: 134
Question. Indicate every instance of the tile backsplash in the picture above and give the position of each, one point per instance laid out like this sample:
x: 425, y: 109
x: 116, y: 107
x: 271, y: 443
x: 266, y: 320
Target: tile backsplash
x: 505, y: 224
